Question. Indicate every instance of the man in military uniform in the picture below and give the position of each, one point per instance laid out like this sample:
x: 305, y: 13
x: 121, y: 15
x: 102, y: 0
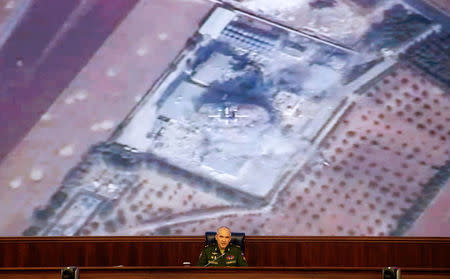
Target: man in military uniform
x: 223, y: 253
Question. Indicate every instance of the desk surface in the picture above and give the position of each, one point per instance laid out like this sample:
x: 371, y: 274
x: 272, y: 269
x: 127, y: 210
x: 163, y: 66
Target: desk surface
x: 222, y: 272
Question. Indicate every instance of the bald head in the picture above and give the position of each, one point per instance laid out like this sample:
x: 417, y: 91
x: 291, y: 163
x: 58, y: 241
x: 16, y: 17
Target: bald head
x: 223, y: 228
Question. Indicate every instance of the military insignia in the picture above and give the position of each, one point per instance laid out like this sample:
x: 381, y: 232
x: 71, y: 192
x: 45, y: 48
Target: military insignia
x: 230, y: 257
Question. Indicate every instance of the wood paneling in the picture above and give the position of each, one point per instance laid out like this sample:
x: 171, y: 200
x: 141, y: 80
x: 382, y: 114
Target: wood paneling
x: 260, y: 251
x: 347, y: 251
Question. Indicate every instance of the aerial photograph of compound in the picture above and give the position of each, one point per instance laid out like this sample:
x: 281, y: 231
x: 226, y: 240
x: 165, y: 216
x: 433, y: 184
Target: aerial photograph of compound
x: 289, y: 117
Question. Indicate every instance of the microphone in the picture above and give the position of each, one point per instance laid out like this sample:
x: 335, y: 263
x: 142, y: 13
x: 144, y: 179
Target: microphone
x: 214, y: 259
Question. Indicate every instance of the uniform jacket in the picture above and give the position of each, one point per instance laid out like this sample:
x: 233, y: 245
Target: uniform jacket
x: 232, y: 256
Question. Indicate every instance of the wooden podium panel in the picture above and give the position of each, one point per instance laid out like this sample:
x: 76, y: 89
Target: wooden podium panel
x: 220, y: 273
x: 277, y: 251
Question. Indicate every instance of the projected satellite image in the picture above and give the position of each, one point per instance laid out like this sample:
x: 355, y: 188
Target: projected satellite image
x: 316, y: 117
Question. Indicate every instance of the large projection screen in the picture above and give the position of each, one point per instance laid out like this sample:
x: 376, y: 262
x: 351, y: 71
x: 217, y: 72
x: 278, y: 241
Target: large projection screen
x: 172, y: 117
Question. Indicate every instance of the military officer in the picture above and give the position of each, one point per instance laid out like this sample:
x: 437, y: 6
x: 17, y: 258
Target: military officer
x: 223, y: 253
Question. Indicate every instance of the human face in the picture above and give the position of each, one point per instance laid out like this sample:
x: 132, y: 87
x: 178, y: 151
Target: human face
x: 223, y: 237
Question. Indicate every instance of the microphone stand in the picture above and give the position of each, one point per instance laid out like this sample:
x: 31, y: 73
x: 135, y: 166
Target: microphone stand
x: 214, y: 259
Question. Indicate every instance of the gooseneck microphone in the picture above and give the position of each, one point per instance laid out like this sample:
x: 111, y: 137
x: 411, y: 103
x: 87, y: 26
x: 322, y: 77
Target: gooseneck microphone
x: 214, y: 259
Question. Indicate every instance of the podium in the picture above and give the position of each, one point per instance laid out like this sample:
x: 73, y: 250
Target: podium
x: 174, y: 272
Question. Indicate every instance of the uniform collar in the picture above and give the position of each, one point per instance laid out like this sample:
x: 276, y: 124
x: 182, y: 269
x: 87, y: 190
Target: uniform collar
x: 226, y: 248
